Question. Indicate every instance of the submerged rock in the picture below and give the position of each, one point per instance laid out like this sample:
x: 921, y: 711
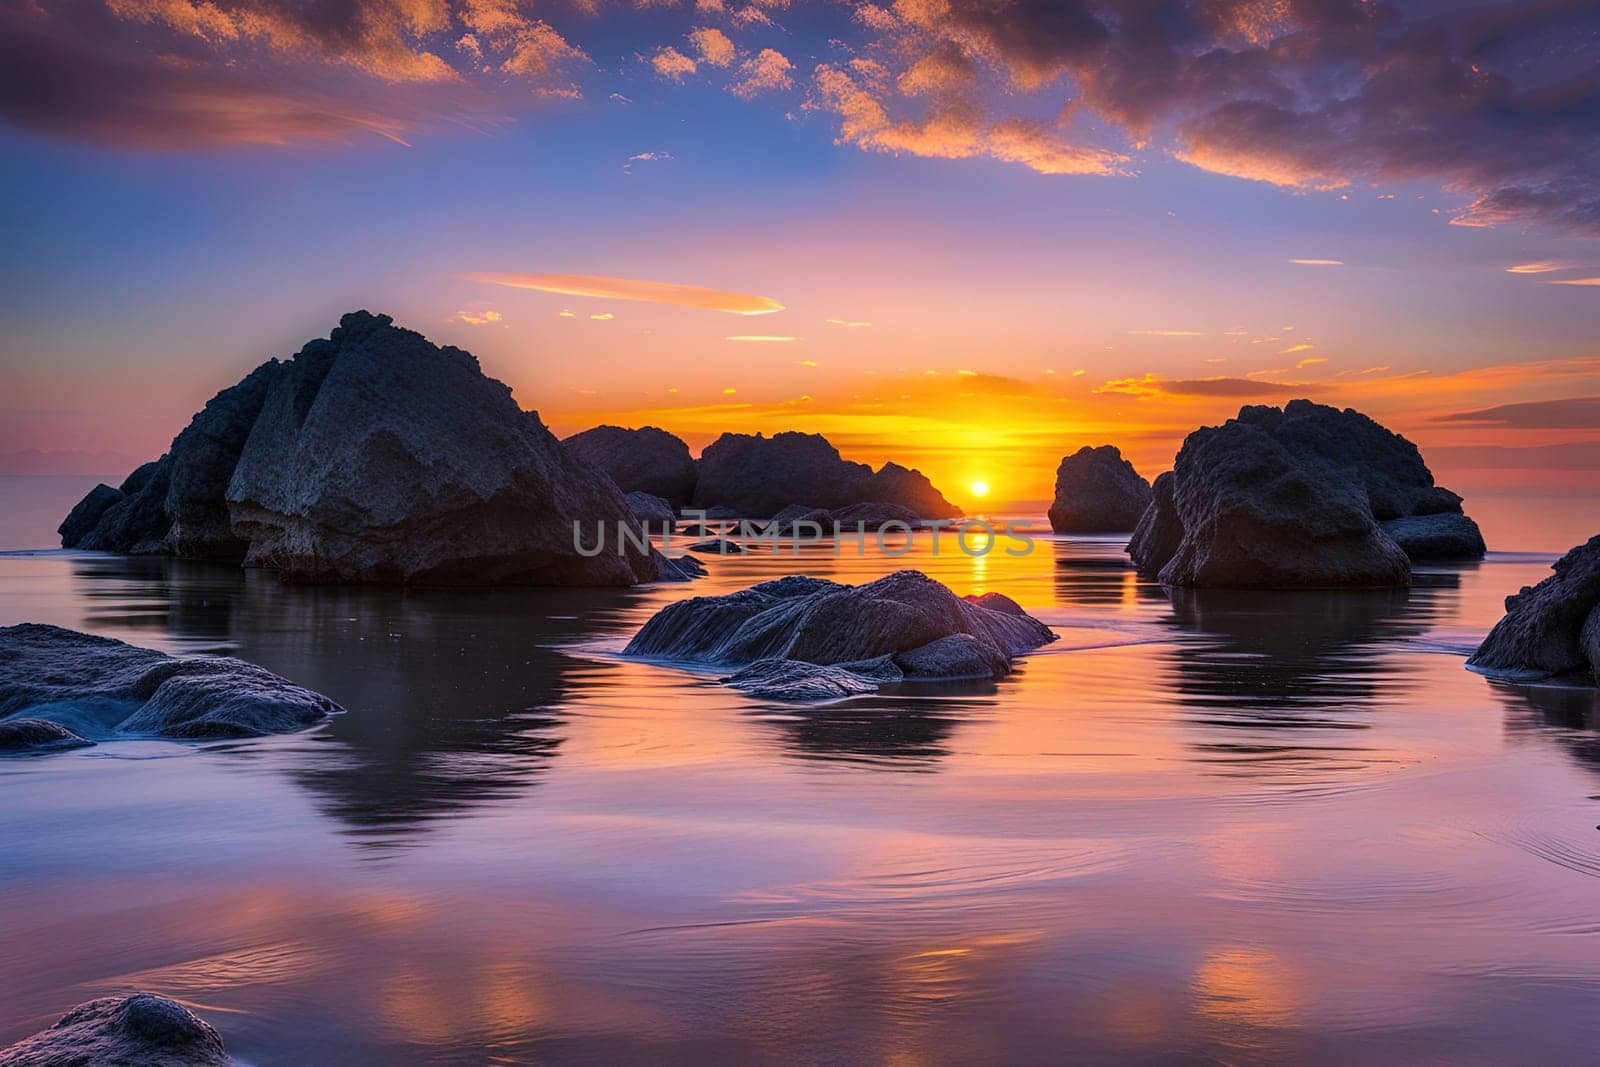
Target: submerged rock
x: 757, y: 476
x: 679, y: 568
x: 1294, y: 498
x: 1551, y: 629
x: 381, y: 457
x: 654, y: 512
x: 647, y: 460
x: 140, y: 1030
x: 1097, y: 491
x: 37, y: 735
x: 789, y: 679
x: 925, y: 629
x: 98, y: 687
x: 718, y: 546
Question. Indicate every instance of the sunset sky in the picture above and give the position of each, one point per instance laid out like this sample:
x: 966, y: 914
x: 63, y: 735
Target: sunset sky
x: 970, y: 235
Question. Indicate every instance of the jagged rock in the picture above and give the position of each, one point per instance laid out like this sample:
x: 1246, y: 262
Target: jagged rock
x: 758, y: 476
x: 871, y: 516
x: 679, y: 568
x: 97, y: 687
x: 1552, y: 628
x: 819, y: 622
x: 787, y: 522
x: 718, y: 546
x: 1097, y: 491
x: 139, y: 1030
x: 201, y: 466
x: 651, y: 510
x: 645, y: 460
x: 137, y: 523
x: 85, y: 515
x: 37, y: 735
x: 378, y: 456
x: 1290, y: 499
x: 1445, y: 536
x: 789, y: 679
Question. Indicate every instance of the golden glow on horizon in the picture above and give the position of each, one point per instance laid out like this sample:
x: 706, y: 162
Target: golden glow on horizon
x: 980, y: 489
x: 608, y: 288
x: 1318, y: 262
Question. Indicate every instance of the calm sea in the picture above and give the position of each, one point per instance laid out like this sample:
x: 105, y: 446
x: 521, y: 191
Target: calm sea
x: 1211, y: 828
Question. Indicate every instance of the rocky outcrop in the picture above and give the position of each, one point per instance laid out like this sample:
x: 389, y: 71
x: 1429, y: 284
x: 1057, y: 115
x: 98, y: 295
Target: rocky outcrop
x: 37, y: 735
x: 871, y: 516
x: 1097, y: 491
x: 1444, y: 537
x: 98, y: 688
x: 757, y: 476
x: 654, y: 512
x: 646, y: 460
x: 1551, y: 629
x: 175, y: 505
x: 906, y: 623
x: 1295, y: 498
x: 140, y: 1030
x: 381, y: 457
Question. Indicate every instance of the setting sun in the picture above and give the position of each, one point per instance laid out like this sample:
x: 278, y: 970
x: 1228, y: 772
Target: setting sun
x: 980, y: 489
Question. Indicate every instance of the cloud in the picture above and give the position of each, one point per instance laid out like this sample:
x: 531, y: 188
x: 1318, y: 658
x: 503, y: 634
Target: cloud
x: 1309, y: 361
x: 1574, y: 413
x: 1151, y: 385
x: 713, y: 47
x: 767, y: 71
x: 607, y: 288
x: 1574, y: 281
x: 1292, y: 349
x: 644, y: 157
x: 1543, y: 266
x: 761, y: 339
x: 602, y: 316
x: 1318, y: 262
x: 477, y: 318
x: 1166, y: 333
x: 673, y: 64
x: 847, y: 323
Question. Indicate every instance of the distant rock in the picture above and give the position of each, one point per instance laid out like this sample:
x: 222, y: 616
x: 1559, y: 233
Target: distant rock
x: 645, y: 460
x: 96, y: 687
x: 651, y: 510
x: 1443, y: 537
x: 786, y: 523
x: 1551, y: 629
x: 873, y: 516
x: 717, y: 546
x: 1097, y: 491
x: 905, y: 619
x: 137, y: 522
x: 141, y: 1030
x: 37, y: 735
x: 758, y: 476
x: 1294, y: 498
x: 381, y: 457
x: 679, y: 568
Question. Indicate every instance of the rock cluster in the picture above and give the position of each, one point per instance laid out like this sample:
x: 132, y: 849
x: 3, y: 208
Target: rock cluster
x: 1097, y: 491
x: 808, y: 638
x: 61, y: 688
x: 1301, y: 497
x: 757, y: 476
x: 372, y: 455
x: 138, y: 1030
x: 646, y: 460
x: 1551, y: 629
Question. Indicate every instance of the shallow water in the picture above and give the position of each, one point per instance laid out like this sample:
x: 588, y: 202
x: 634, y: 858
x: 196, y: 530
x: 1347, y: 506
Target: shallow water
x: 1227, y: 827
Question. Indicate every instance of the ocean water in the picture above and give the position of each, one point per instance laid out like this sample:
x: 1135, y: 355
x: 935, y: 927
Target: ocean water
x: 1203, y: 827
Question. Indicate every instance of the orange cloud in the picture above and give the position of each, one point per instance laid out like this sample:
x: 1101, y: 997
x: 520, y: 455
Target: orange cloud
x: 1543, y: 266
x: 673, y: 64
x: 766, y: 71
x: 1318, y: 262
x: 607, y: 288
x: 713, y: 47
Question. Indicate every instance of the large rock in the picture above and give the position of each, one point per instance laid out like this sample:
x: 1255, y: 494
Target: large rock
x: 1443, y: 537
x: 1550, y: 629
x: 378, y: 456
x: 140, y: 1030
x: 651, y: 510
x: 1294, y: 498
x: 757, y: 476
x: 96, y: 687
x: 1097, y: 491
x: 646, y: 460
x: 924, y: 629
x: 175, y: 505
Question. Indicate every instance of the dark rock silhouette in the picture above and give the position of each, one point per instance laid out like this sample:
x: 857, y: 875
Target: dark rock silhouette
x: 1551, y: 629
x: 925, y: 629
x: 758, y: 476
x: 176, y: 505
x: 1443, y: 537
x: 37, y: 735
x: 381, y: 457
x: 1097, y: 491
x: 1294, y: 498
x: 98, y: 687
x: 788, y: 679
x: 140, y: 1030
x: 872, y: 515
x: 651, y: 510
x: 647, y: 460
x: 370, y: 456
x: 718, y: 546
